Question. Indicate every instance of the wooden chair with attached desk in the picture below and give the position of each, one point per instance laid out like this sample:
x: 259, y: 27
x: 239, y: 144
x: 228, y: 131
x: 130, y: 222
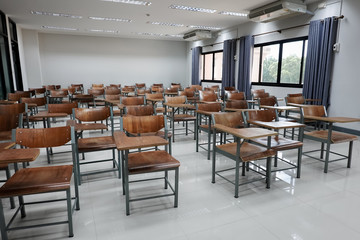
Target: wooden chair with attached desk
x: 146, y: 162
x: 130, y: 101
x: 205, y: 110
x: 85, y: 118
x: 99, y: 94
x: 268, y: 119
x: 58, y: 96
x: 39, y: 180
x: 241, y: 151
x: 327, y: 136
x: 178, y: 104
x: 156, y: 99
x: 208, y: 96
x: 83, y: 99
x: 234, y: 96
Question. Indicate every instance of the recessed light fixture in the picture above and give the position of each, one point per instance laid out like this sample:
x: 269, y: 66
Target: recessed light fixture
x: 204, y: 27
x: 110, y: 19
x: 60, y: 28
x: 193, y: 9
x: 103, y: 31
x: 55, y: 14
x: 144, y: 3
x: 233, y: 14
x: 167, y: 24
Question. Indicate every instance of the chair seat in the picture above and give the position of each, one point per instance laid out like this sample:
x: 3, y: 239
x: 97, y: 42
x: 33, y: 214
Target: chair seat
x: 37, y: 180
x: 336, y: 137
x: 96, y: 143
x: 144, y: 162
x: 248, y: 151
x: 279, y: 144
x: 184, y: 117
x: 5, y: 135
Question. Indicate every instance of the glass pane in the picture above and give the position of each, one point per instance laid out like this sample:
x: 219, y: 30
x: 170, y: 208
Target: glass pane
x: 256, y: 65
x: 208, y: 66
x: 270, y: 61
x: 305, y: 54
x: 12, y: 27
x: 5, y: 65
x: 218, y: 66
x: 291, y: 62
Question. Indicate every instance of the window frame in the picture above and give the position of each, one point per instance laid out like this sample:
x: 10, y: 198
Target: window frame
x: 278, y: 78
x: 213, y: 67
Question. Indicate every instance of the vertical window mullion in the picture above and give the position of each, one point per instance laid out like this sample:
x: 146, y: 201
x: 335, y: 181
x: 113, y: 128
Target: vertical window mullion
x: 302, y: 61
x: 260, y: 64
x: 213, y: 67
x: 279, y: 64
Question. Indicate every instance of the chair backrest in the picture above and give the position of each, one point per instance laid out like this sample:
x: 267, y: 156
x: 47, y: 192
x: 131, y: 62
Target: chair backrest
x: 72, y: 90
x: 314, y: 110
x: 231, y: 119
x: 265, y: 115
x: 175, y: 100
x: 131, y: 101
x: 128, y: 89
x: 115, y: 85
x: 11, y: 116
x: 142, y: 110
x: 158, y: 85
x: 97, y: 85
x: 196, y: 87
x: 209, y: 107
x: 140, y: 85
x: 157, y: 89
x: 12, y: 109
x: 112, y: 91
x: 62, y: 107
x: 50, y: 87
x: 59, y: 93
x: 26, y: 93
x: 229, y: 88
x: 38, y: 101
x: 294, y: 94
x: 297, y: 100
x: 97, y: 91
x: 177, y: 85
x: 239, y: 104
x: 207, y: 96
x: 78, y: 86
x: 38, y: 90
x: 113, y: 97
x: 188, y: 92
x: 154, y: 96
x: 92, y: 114
x: 143, y: 91
x: 172, y: 90
x: 143, y: 124
x: 16, y: 96
x: 235, y: 95
x: 268, y: 101
x: 257, y: 91
x: 257, y: 95
x: 43, y: 137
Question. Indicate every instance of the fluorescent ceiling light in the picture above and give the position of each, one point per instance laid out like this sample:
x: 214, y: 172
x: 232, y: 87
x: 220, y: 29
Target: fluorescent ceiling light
x: 60, y: 28
x: 167, y: 24
x: 193, y: 9
x: 234, y: 14
x: 129, y: 2
x: 103, y: 31
x: 158, y: 34
x: 204, y: 27
x: 110, y: 19
x: 55, y: 14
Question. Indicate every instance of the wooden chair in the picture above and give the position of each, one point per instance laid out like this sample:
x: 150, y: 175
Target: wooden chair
x: 277, y: 143
x: 38, y: 91
x: 208, y: 96
x: 157, y: 89
x: 326, y: 137
x: 233, y: 96
x: 10, y: 118
x: 190, y: 95
x: 79, y: 87
x: 157, y: 105
x: 83, y: 99
x: 112, y: 91
x: 142, y: 92
x: 116, y: 85
x: 142, y: 110
x: 17, y: 96
x: 140, y: 85
x: 57, y: 96
x: 128, y: 90
x: 237, y: 104
x: 146, y: 162
x: 176, y: 85
x: 177, y: 104
x: 99, y: 94
x: 97, y: 86
x: 196, y: 87
x: 92, y: 144
x: 116, y: 112
x: 39, y: 180
x: 241, y: 151
x: 205, y: 109
x: 258, y: 95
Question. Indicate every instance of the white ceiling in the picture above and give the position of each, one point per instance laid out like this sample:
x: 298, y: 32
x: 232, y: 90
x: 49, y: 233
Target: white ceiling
x: 159, y: 11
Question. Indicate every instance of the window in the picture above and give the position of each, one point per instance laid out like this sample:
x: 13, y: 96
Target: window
x: 211, y: 66
x: 280, y: 63
x: 16, y: 56
x: 6, y: 81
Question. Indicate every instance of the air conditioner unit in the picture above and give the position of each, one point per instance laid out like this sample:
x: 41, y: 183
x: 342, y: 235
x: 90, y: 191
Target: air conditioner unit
x: 277, y: 10
x: 197, y: 35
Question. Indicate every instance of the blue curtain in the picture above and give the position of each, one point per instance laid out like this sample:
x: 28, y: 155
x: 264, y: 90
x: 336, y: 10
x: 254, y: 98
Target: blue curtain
x: 195, y: 66
x: 228, y: 74
x: 245, y: 54
x: 322, y: 36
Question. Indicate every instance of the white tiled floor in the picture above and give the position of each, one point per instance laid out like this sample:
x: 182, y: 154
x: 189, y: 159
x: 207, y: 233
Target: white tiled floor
x: 316, y: 206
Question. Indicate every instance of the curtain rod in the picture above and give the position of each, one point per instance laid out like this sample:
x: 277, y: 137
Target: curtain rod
x: 278, y: 31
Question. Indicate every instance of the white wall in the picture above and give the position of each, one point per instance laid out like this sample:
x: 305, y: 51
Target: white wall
x: 31, y: 69
x: 67, y: 59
